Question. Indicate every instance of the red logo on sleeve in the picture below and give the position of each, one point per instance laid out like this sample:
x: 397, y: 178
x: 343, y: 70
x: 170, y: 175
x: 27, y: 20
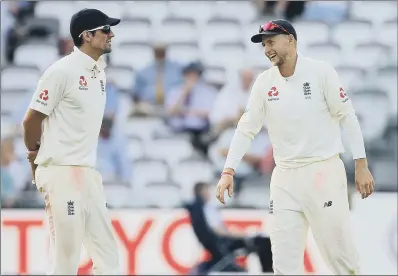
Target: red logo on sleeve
x: 343, y: 95
x: 44, y: 95
x: 273, y: 93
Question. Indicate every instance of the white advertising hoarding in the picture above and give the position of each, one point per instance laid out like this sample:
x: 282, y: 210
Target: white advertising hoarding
x: 162, y: 241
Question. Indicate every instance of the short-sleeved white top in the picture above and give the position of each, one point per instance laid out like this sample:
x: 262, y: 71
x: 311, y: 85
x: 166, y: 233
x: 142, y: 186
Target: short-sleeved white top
x: 72, y: 94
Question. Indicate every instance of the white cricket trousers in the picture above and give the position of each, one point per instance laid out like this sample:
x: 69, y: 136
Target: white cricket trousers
x: 77, y: 214
x: 311, y: 196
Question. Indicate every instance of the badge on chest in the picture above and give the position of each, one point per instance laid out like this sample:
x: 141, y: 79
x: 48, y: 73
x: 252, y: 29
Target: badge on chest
x: 307, y: 90
x: 102, y: 87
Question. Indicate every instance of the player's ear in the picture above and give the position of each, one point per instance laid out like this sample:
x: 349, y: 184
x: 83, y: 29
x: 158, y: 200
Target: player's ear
x: 87, y: 36
x: 291, y: 39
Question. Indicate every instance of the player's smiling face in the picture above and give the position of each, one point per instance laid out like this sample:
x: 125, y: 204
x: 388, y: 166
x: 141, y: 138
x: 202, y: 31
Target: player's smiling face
x: 276, y: 48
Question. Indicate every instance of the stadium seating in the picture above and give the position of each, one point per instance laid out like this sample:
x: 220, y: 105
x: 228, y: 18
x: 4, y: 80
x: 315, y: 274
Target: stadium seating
x: 363, y: 48
x: 350, y: 33
x: 146, y: 126
x: 11, y: 99
x: 351, y: 76
x: 135, y: 149
x: 155, y: 11
x: 253, y: 195
x: 177, y: 30
x: 61, y: 10
x: 371, y: 10
x: 122, y: 76
x: 112, y: 8
x: 200, y: 11
x: 118, y: 196
x: 305, y: 30
x: 188, y: 173
x: 172, y: 151
x: 163, y: 195
x: 243, y: 11
x: 132, y: 30
x: 123, y: 55
x: 19, y: 77
x: 385, y: 175
x: 183, y: 52
x: 40, y: 55
x: 373, y: 123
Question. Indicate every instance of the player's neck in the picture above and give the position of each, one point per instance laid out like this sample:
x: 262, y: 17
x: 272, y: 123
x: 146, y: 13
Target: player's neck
x: 289, y: 66
x: 93, y: 53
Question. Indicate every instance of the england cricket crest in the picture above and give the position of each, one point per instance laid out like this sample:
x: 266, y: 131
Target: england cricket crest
x: 307, y: 90
x: 71, y: 208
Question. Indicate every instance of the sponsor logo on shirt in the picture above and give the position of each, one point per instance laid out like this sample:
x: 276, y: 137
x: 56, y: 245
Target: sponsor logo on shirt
x: 82, y: 83
x: 307, y: 90
x: 273, y: 94
x: 343, y: 95
x: 43, y: 97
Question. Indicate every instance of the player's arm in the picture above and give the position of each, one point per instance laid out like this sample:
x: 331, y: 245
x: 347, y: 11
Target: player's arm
x: 48, y: 93
x: 341, y: 107
x: 248, y: 127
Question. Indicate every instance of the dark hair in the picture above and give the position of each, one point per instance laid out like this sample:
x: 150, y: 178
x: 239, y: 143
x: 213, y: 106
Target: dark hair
x: 78, y: 41
x: 199, y: 187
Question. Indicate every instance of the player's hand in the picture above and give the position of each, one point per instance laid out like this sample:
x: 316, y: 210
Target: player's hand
x: 226, y: 182
x: 31, y: 155
x: 364, y: 181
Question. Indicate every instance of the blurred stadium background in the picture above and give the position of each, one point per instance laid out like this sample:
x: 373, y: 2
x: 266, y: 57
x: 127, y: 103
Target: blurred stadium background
x: 150, y: 158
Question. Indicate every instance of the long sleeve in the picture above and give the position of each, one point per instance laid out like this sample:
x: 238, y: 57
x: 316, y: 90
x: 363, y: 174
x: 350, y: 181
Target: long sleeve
x: 249, y: 125
x: 341, y: 107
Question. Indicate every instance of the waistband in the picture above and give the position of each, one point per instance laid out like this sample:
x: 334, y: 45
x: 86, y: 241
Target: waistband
x: 308, y: 162
x: 58, y: 166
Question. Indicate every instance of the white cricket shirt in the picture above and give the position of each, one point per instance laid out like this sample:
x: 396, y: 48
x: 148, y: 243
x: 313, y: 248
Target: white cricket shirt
x: 72, y: 95
x: 302, y: 114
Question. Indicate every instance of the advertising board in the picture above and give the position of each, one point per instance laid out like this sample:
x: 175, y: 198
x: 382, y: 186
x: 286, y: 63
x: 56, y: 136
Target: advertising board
x: 162, y: 241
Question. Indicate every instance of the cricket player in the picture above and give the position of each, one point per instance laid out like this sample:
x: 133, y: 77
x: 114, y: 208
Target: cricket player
x: 302, y: 102
x: 61, y: 129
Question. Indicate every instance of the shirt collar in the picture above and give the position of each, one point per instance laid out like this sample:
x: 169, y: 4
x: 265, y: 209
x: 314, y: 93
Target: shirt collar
x: 298, y: 65
x: 88, y: 61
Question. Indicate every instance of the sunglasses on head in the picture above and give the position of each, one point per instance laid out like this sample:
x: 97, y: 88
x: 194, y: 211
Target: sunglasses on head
x: 271, y: 26
x: 105, y: 29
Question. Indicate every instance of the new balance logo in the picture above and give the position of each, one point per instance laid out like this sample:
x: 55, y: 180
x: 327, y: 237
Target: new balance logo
x: 327, y: 204
x: 71, y: 208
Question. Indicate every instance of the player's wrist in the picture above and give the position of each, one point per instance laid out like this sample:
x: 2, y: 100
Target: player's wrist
x: 361, y: 163
x: 228, y: 171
